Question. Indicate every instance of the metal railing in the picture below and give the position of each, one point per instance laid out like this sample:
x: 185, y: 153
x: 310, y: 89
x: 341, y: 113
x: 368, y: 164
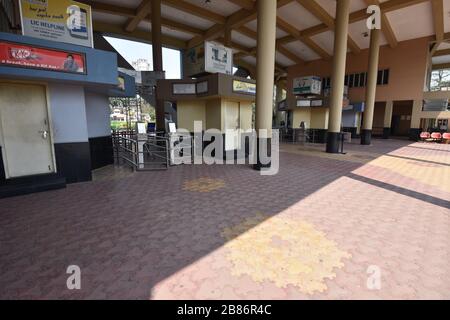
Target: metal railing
x: 141, y: 152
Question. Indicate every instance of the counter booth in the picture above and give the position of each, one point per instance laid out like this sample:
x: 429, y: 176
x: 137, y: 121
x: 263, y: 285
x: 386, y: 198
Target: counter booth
x: 54, y: 112
x: 219, y: 101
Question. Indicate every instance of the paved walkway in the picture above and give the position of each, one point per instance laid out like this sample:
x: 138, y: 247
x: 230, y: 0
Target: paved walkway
x: 372, y: 224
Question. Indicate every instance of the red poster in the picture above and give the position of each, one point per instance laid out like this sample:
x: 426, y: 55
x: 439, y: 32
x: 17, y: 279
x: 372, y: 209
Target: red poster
x: 25, y: 56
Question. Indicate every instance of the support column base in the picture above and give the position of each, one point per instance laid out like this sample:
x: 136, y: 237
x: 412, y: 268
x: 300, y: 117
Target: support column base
x: 366, y: 137
x: 333, y: 141
x: 386, y: 133
x: 259, y: 164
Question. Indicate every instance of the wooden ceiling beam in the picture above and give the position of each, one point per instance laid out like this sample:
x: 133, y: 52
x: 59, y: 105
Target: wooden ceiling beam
x: 385, y: 25
x: 195, y: 10
x: 246, y: 4
x: 142, y: 11
x: 388, y: 6
x: 438, y: 16
x: 320, y: 13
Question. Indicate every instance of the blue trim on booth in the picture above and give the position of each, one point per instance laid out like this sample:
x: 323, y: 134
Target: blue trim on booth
x: 101, y: 65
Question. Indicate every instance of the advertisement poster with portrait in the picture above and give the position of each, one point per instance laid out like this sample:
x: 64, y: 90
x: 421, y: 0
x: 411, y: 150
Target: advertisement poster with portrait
x: 32, y: 57
x: 63, y: 21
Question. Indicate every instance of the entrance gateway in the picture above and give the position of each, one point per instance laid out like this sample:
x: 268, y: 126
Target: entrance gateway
x: 25, y: 137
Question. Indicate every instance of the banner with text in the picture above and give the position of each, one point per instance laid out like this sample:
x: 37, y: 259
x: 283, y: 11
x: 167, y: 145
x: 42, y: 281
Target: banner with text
x: 57, y: 20
x: 25, y: 56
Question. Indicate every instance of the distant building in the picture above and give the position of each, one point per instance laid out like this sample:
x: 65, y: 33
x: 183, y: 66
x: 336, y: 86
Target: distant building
x: 142, y: 65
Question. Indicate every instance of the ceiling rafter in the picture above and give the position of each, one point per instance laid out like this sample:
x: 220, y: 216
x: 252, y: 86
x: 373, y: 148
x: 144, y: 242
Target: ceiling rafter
x: 320, y: 13
x: 438, y: 17
x: 388, y: 6
x: 142, y: 11
x: 195, y: 10
x: 246, y: 4
x: 386, y: 27
x: 234, y: 21
x: 285, y: 26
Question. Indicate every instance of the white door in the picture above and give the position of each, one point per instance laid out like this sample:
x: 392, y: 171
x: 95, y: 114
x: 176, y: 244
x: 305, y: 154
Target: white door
x: 25, y: 131
x: 232, y: 126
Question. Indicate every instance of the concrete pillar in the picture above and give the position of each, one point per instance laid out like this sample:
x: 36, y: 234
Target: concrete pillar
x: 388, y: 119
x: 158, y: 60
x: 371, y: 88
x: 265, y: 73
x: 338, y: 76
x: 414, y: 132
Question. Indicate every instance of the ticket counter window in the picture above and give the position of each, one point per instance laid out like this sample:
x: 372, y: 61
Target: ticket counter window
x: 25, y: 137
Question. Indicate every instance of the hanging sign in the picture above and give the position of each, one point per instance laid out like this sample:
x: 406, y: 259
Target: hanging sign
x: 26, y: 56
x: 57, y: 20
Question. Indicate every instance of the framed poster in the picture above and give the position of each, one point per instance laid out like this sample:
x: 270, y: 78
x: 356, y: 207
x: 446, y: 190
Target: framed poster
x: 202, y: 87
x: 244, y: 87
x: 57, y: 20
x: 184, y: 88
x: 32, y: 57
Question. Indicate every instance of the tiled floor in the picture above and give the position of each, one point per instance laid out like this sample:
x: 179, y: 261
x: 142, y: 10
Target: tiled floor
x: 374, y: 224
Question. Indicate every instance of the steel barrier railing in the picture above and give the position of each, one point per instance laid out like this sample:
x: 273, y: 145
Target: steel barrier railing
x: 141, y: 152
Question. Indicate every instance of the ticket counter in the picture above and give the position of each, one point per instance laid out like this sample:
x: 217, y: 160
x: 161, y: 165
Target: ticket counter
x: 218, y: 101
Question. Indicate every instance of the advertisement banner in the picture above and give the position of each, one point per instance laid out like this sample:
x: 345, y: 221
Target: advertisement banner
x: 57, y: 20
x: 25, y: 56
x: 244, y: 87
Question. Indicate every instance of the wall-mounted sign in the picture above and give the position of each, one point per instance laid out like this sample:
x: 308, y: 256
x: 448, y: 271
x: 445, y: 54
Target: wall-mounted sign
x: 209, y: 57
x: 244, y: 87
x: 202, y: 87
x: 307, y: 85
x: 184, y: 88
x: 25, y: 56
x: 57, y: 20
x: 218, y: 59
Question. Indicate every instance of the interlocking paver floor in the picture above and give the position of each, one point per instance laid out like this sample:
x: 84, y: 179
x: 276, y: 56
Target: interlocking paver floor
x: 372, y: 224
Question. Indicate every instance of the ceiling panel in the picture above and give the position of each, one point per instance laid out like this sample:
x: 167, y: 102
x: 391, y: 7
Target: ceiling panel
x: 361, y: 35
x: 297, y: 16
x: 301, y: 50
x: 412, y: 22
x: 325, y: 41
x: 183, y: 17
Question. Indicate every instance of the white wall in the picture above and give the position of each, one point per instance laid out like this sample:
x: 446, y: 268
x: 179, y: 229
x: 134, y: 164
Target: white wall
x: 98, y: 115
x: 68, y: 112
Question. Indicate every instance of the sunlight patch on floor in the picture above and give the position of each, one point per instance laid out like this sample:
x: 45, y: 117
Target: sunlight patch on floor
x: 285, y: 251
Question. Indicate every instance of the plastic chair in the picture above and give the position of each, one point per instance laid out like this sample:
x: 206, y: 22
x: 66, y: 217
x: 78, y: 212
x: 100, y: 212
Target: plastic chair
x: 436, y: 136
x: 425, y: 136
x: 446, y: 137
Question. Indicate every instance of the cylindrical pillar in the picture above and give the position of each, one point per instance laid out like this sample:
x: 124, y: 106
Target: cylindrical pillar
x: 158, y: 60
x: 388, y: 119
x: 371, y: 88
x: 338, y: 76
x: 265, y: 74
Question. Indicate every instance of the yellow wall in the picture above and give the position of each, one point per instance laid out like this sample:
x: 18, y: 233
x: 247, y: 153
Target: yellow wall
x: 189, y: 112
x: 301, y: 114
x: 319, y: 118
x: 212, y: 113
x: 246, y: 115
